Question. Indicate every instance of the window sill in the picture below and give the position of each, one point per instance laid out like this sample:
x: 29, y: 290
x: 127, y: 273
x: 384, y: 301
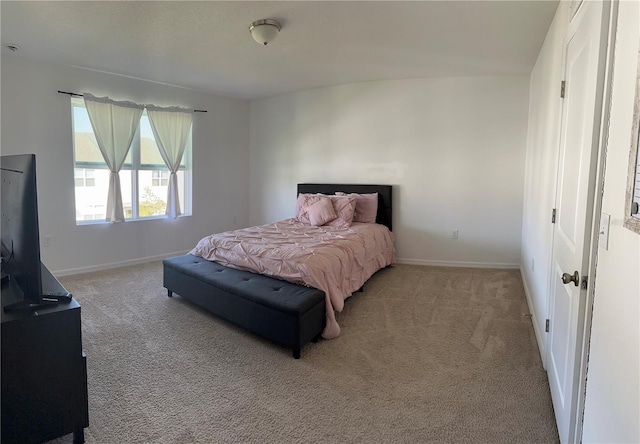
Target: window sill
x: 103, y: 222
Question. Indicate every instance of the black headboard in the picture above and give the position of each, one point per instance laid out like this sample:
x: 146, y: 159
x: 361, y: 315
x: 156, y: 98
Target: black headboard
x: 384, y: 196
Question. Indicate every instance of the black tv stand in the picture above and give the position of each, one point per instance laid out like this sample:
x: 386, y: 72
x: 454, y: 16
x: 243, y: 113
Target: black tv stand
x: 44, y: 372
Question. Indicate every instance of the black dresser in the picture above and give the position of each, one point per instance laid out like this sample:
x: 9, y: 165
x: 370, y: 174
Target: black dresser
x: 44, y: 371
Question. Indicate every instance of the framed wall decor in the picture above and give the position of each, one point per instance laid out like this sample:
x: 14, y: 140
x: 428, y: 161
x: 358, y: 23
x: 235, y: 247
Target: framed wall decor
x: 632, y: 202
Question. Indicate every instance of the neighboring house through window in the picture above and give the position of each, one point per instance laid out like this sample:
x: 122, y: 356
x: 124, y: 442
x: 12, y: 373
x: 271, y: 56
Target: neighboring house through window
x: 160, y: 178
x: 85, y: 177
x: 144, y: 177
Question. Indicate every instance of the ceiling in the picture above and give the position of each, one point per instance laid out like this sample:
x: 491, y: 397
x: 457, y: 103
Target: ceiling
x: 206, y: 45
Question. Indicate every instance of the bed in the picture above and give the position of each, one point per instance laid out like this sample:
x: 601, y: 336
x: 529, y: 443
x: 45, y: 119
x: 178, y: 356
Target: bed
x: 238, y: 276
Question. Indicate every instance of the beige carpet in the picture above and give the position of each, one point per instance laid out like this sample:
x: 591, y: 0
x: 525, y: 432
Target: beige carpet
x: 426, y: 354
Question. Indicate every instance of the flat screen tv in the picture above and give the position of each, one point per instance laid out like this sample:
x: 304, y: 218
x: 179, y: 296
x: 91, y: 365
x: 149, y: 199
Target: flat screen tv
x: 20, y: 233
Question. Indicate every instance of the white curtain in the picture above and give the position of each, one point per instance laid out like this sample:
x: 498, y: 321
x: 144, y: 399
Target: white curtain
x: 114, y: 125
x: 171, y: 128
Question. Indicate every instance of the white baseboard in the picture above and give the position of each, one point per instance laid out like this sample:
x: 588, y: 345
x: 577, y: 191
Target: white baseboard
x: 540, y: 336
x: 458, y: 264
x: 101, y: 267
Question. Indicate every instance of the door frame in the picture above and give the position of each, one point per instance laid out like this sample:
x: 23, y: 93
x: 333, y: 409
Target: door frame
x: 607, y: 52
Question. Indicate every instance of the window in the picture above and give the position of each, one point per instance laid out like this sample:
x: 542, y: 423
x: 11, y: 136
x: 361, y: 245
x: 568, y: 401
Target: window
x: 160, y: 178
x: 85, y: 177
x: 94, y: 212
x: 632, y: 205
x: 144, y: 177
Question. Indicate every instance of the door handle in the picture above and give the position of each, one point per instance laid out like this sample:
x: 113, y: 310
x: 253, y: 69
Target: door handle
x: 575, y: 277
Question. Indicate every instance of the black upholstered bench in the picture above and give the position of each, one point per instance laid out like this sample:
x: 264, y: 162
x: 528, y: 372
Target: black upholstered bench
x: 289, y: 314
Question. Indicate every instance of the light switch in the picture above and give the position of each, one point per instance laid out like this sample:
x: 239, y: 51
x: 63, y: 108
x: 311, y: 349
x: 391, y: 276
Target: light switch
x: 604, y: 231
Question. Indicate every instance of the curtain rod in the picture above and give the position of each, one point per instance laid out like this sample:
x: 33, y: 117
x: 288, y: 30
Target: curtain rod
x: 80, y: 95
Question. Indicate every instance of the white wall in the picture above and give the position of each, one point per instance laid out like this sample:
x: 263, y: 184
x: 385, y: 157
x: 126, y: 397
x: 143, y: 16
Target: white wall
x: 452, y: 147
x: 612, y: 403
x: 545, y: 109
x: 36, y: 119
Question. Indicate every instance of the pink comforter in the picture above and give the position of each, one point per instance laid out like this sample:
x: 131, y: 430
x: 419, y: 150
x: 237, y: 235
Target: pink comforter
x: 337, y: 261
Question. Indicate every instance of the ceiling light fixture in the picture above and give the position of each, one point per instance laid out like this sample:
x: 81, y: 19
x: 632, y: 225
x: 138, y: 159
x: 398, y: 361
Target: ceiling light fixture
x: 11, y: 47
x: 265, y: 30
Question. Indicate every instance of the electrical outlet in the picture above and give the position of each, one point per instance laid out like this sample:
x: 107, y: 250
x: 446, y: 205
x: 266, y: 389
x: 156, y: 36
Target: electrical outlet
x: 454, y: 234
x: 603, y: 241
x: 46, y: 241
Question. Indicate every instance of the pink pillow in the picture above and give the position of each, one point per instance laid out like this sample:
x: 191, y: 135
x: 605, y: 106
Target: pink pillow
x: 321, y: 212
x: 366, y: 207
x: 344, y: 207
x: 302, y: 203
